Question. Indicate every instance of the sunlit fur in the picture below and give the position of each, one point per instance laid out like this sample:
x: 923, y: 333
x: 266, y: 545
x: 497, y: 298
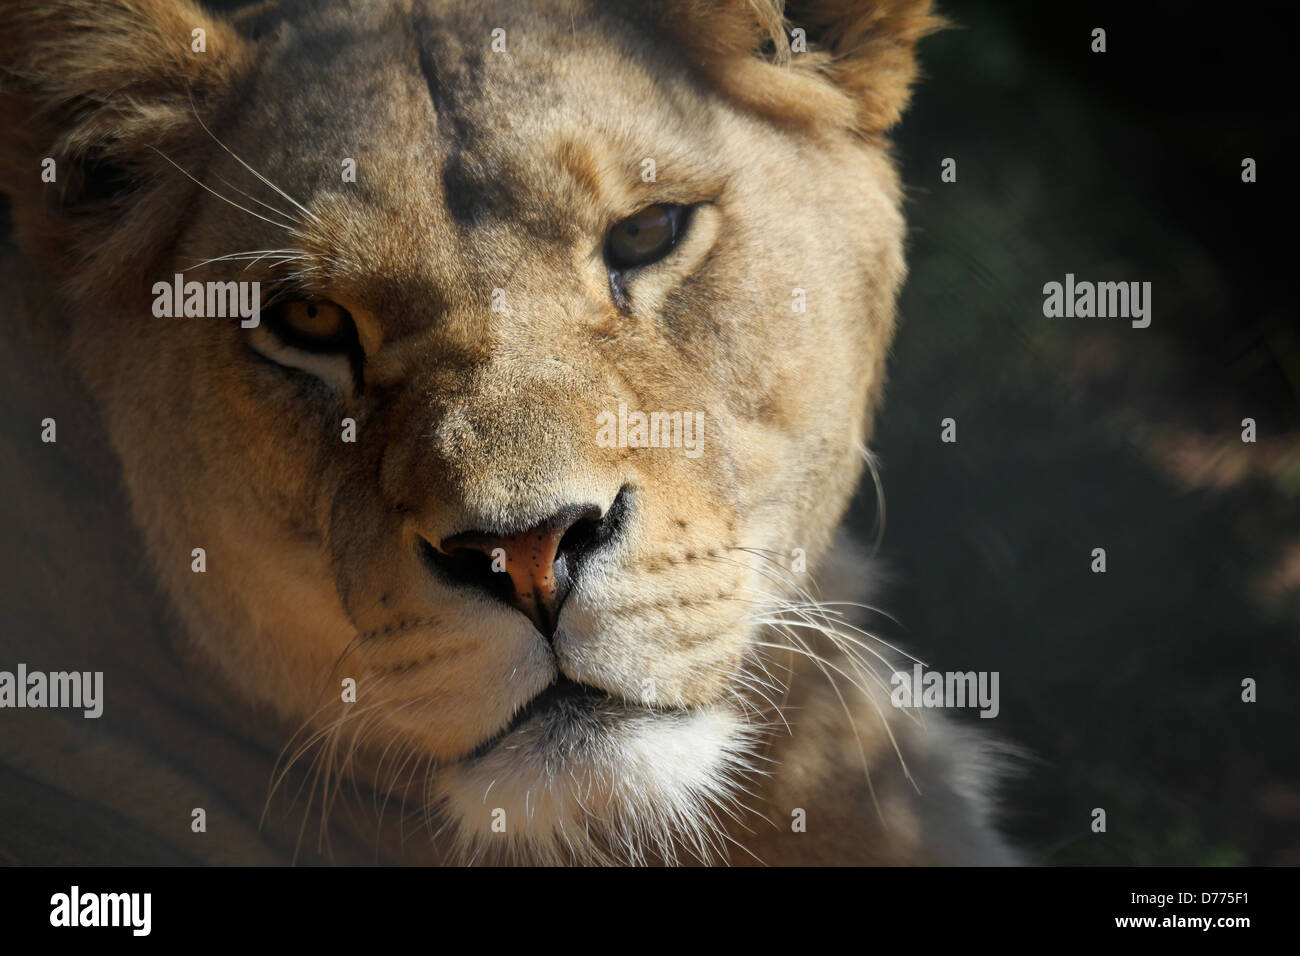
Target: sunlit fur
x: 738, y: 695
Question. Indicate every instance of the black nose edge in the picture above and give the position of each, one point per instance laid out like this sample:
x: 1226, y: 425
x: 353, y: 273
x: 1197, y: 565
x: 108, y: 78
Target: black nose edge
x: 565, y: 540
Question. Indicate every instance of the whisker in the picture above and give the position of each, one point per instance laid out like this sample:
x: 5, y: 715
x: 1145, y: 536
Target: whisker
x: 265, y: 205
x: 873, y: 465
x: 310, y: 215
x: 224, y: 199
x: 255, y: 255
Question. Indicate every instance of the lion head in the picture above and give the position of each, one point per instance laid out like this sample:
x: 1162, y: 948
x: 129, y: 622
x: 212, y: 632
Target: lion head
x: 570, y: 319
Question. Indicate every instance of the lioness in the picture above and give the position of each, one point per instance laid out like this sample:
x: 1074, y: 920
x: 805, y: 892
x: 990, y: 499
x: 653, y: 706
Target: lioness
x: 509, y: 491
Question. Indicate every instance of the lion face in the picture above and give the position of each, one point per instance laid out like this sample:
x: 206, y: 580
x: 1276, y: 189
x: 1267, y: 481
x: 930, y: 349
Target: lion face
x: 569, y: 337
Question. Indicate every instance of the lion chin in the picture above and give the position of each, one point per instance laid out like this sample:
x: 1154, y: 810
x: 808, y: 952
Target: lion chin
x: 585, y: 779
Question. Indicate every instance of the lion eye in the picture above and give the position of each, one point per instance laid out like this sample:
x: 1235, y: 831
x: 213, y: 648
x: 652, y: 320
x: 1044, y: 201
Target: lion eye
x: 313, y: 325
x: 645, y: 237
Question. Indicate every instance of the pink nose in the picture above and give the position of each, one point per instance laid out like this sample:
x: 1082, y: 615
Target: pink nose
x: 539, y: 561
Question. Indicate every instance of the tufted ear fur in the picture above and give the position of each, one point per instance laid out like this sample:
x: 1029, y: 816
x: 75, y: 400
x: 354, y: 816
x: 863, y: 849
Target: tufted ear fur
x: 111, y: 91
x: 820, y: 63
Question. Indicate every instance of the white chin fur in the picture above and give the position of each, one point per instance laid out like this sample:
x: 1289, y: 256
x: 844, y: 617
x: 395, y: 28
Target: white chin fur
x: 608, y: 785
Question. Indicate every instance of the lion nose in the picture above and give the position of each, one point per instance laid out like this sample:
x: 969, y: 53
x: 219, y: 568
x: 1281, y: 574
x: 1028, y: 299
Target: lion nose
x: 531, y: 570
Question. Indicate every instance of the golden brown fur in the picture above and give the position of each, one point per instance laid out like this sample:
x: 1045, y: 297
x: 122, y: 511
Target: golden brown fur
x: 733, y: 699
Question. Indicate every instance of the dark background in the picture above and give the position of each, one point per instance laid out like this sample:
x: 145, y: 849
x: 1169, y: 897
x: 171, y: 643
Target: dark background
x: 1124, y: 688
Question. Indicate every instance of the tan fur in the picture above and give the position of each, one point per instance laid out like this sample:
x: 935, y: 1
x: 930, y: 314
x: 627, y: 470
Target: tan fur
x: 504, y: 171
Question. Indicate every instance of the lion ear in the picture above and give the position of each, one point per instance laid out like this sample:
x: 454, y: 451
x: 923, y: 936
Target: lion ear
x: 871, y: 48
x: 96, y: 97
x: 844, y: 63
